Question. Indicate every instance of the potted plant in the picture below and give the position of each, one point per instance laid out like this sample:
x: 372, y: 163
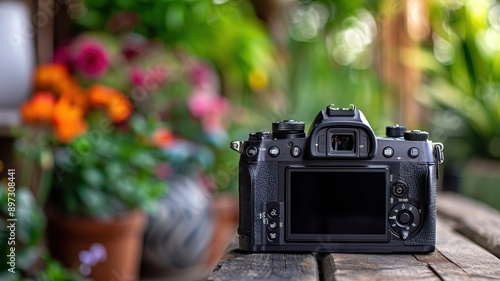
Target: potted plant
x: 115, y: 117
x: 30, y: 260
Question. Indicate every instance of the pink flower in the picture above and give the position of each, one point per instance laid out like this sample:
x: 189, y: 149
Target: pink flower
x: 137, y: 75
x: 203, y: 76
x: 210, y: 108
x: 91, y: 57
x: 149, y: 79
x: 159, y: 73
x: 203, y: 104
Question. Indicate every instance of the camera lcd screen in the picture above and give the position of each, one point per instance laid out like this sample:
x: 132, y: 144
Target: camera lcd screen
x: 337, y: 204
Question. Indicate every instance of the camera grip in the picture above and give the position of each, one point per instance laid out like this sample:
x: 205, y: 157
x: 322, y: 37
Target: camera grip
x: 258, y: 185
x: 422, y: 181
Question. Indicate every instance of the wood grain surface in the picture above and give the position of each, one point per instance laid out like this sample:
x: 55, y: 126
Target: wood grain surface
x: 467, y: 248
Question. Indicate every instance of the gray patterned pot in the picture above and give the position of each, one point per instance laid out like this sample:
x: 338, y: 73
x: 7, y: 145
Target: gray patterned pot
x: 180, y: 232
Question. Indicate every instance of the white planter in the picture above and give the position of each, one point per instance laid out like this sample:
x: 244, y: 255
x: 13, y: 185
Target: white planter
x: 17, y: 58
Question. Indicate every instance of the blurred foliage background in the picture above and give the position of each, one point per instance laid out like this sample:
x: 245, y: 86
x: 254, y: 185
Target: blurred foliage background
x: 432, y: 65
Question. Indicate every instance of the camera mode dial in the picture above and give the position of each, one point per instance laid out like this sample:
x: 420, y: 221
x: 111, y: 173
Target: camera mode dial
x: 404, y: 219
x: 287, y: 129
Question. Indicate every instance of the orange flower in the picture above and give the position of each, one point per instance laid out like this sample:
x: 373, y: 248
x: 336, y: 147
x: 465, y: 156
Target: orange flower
x: 65, y: 109
x: 39, y: 109
x: 100, y: 95
x: 68, y: 120
x: 119, y: 108
x: 163, y: 137
x: 75, y: 94
x: 52, y: 77
x: 68, y: 130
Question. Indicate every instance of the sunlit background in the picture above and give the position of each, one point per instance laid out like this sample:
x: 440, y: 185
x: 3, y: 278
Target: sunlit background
x: 224, y: 68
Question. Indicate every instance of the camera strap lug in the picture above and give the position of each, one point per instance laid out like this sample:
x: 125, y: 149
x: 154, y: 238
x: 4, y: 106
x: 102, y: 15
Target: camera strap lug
x: 438, y: 156
x: 237, y: 146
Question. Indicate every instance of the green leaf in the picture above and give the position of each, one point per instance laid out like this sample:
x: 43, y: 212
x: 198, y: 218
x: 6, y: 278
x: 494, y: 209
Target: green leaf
x: 93, y: 177
x: 93, y: 200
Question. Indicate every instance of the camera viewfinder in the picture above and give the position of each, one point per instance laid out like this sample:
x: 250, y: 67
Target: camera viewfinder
x: 343, y: 142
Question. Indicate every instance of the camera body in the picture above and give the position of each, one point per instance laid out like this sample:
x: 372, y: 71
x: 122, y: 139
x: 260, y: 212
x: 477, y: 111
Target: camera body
x: 340, y: 189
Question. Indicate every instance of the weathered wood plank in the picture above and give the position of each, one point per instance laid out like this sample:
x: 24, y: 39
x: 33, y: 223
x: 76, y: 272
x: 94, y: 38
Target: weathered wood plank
x: 444, y: 268
x: 237, y: 265
x: 375, y: 267
x: 459, y: 258
x: 477, y: 221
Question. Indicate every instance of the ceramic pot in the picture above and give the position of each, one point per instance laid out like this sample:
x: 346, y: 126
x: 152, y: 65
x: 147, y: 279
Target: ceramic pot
x: 17, y: 54
x: 179, y: 233
x: 101, y: 250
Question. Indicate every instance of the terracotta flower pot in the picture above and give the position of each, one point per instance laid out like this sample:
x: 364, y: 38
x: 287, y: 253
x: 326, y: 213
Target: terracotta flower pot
x: 103, y: 250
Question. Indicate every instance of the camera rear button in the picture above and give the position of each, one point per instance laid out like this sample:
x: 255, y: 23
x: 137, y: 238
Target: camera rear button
x: 296, y: 151
x: 251, y: 151
x: 272, y: 236
x: 388, y: 152
x: 273, y: 213
x: 274, y: 151
x: 413, y: 152
x: 273, y: 225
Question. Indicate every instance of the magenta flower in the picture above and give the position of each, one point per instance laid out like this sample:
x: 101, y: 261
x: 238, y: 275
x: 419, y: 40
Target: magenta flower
x: 137, y: 76
x: 90, y: 57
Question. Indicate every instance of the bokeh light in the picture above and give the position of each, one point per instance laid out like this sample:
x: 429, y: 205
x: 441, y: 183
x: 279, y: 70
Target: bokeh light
x: 307, y: 21
x: 443, y: 50
x: 351, y: 46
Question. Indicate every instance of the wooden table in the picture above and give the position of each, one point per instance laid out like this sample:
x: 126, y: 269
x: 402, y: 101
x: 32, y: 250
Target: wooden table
x: 467, y: 248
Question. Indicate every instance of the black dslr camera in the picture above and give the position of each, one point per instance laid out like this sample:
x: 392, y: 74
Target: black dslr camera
x: 339, y: 189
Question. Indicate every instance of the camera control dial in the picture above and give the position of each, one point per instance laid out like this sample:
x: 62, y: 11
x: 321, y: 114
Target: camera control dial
x: 404, y: 219
x: 416, y: 135
x: 397, y: 131
x: 287, y: 129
